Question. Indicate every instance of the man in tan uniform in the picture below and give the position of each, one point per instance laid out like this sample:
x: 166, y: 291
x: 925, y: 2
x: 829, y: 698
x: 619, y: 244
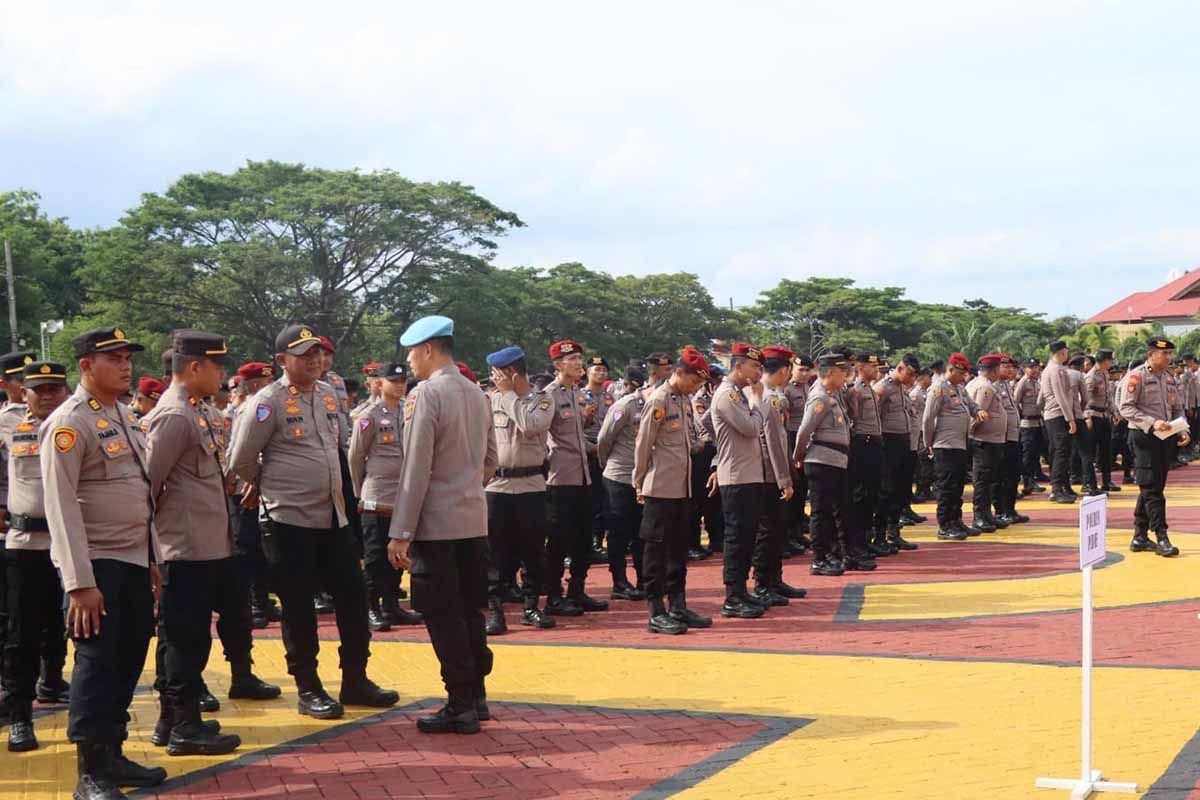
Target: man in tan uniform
x: 35, y: 624
x: 516, y: 496
x: 99, y: 511
x: 439, y: 528
x: 986, y: 444
x: 12, y: 412
x: 616, y: 449
x: 662, y: 481
x: 186, y: 460
x: 376, y: 456
x: 288, y: 452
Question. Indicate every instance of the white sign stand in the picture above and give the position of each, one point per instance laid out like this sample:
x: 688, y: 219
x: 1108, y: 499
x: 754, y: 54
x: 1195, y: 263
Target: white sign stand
x: 1093, y: 524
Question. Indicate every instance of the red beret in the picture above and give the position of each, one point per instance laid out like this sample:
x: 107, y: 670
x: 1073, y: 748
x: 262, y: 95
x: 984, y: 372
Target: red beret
x: 256, y: 369
x: 151, y: 387
x: 235, y: 381
x: 778, y: 351
x: 959, y: 360
x: 327, y: 343
x: 744, y: 350
x: 990, y: 361
x: 466, y: 372
x: 566, y: 347
x: 691, y: 360
x: 371, y: 370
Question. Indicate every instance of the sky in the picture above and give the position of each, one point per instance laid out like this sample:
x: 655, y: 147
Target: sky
x: 1040, y: 154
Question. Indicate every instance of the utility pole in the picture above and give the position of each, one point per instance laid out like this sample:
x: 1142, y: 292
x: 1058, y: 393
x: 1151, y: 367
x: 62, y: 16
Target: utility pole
x: 12, y: 296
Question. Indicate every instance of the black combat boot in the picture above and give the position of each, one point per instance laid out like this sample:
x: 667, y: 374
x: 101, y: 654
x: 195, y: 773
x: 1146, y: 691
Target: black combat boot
x: 91, y: 760
x: 680, y: 612
x: 1165, y: 548
x: 375, y: 618
x: 190, y: 737
x: 662, y: 622
x: 459, y: 715
x: 51, y: 688
x: 248, y: 686
x: 496, y: 625
x: 534, y: 616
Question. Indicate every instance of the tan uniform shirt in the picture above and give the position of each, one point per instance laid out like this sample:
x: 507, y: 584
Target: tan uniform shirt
x: 185, y: 456
x: 97, y: 491
x: 1095, y: 390
x: 1012, y: 430
x: 701, y: 418
x: 863, y: 408
x: 1057, y: 392
x: 377, y: 453
x: 25, y: 495
x: 568, y: 446
x: 917, y: 396
x: 1150, y: 396
x: 736, y: 424
x: 520, y: 425
x: 777, y: 466
x: 1028, y: 397
x: 449, y: 453
x: 296, y: 434
x: 824, y: 435
x: 662, y: 449
x: 1078, y: 394
x: 895, y: 406
x: 948, y: 412
x: 797, y: 397
x: 597, y: 405
x: 361, y: 409
x: 987, y: 397
x: 343, y: 399
x: 10, y: 416
x: 616, y: 446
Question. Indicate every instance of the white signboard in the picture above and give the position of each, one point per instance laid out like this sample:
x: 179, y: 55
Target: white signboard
x: 1093, y: 523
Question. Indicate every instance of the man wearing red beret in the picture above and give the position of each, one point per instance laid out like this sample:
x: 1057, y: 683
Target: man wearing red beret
x: 149, y: 390
x: 949, y: 410
x: 568, y: 496
x: 738, y: 423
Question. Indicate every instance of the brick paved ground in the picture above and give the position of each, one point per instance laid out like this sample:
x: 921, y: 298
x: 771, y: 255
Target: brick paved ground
x: 945, y: 673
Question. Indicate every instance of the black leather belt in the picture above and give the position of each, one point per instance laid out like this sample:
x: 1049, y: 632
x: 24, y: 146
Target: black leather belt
x: 518, y: 472
x: 837, y: 447
x: 866, y: 438
x: 24, y: 522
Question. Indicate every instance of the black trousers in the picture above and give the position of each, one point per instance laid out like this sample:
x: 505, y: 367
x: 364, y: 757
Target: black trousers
x: 192, y: 591
x: 1008, y: 479
x: 304, y: 560
x: 899, y: 463
x: 247, y: 543
x: 35, y: 624
x: 770, y: 538
x: 516, y: 538
x: 866, y: 476
x: 924, y: 472
x: 382, y: 579
x: 1059, y: 435
x: 449, y: 587
x: 624, y: 530
x: 701, y: 465
x: 569, y: 519
x: 714, y: 518
x: 350, y: 501
x: 741, y: 505
x: 828, y: 492
x: 1082, y: 451
x: 985, y: 474
x: 1031, y: 453
x: 1102, y: 452
x: 1152, y: 458
x: 951, y: 469
x: 599, y: 521
x: 666, y: 523
x: 1120, y: 445
x: 794, y: 516
x: 108, y: 664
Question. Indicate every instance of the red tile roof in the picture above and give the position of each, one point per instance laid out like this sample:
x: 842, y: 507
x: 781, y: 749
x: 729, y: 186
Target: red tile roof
x: 1179, y: 298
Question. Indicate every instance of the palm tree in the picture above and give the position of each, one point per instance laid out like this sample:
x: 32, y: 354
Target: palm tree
x: 1092, y: 337
x: 973, y: 341
x: 1133, y: 347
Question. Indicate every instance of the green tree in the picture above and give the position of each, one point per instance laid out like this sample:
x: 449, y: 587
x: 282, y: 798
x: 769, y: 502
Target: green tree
x: 1092, y: 337
x: 1134, y: 346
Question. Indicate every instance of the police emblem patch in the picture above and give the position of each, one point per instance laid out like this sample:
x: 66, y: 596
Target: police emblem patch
x: 262, y: 413
x: 364, y: 423
x: 330, y: 403
x: 659, y: 413
x: 64, y: 439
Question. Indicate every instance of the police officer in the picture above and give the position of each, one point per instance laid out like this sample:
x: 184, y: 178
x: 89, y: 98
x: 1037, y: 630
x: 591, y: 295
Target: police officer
x: 99, y: 509
x: 34, y: 602
x: 1058, y: 415
x: 568, y: 486
x: 616, y: 448
x: 375, y: 458
x: 737, y: 421
x: 516, y: 496
x: 706, y: 511
x: 295, y: 429
x: 662, y: 483
x: 1027, y: 396
x: 866, y: 468
x: 1099, y: 414
x: 439, y: 528
x: 948, y: 414
x: 796, y: 392
x: 1082, y: 447
x: 1150, y: 402
x: 1004, y: 498
x: 596, y: 402
x: 919, y: 394
x: 778, y: 491
x: 186, y: 459
x: 823, y: 448
x: 371, y: 373
x: 12, y: 412
x: 897, y: 421
x: 986, y: 443
x: 322, y: 600
x: 149, y: 391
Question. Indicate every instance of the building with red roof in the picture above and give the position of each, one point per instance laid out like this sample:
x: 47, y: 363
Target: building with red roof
x: 1174, y: 305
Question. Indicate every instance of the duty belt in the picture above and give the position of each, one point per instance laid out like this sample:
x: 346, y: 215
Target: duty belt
x: 24, y: 522
x: 837, y: 447
x: 519, y: 472
x: 1037, y: 417
x: 866, y: 438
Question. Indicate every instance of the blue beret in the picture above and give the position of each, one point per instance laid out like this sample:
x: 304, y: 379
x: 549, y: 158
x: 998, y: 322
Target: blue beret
x: 502, y: 358
x: 427, y: 328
